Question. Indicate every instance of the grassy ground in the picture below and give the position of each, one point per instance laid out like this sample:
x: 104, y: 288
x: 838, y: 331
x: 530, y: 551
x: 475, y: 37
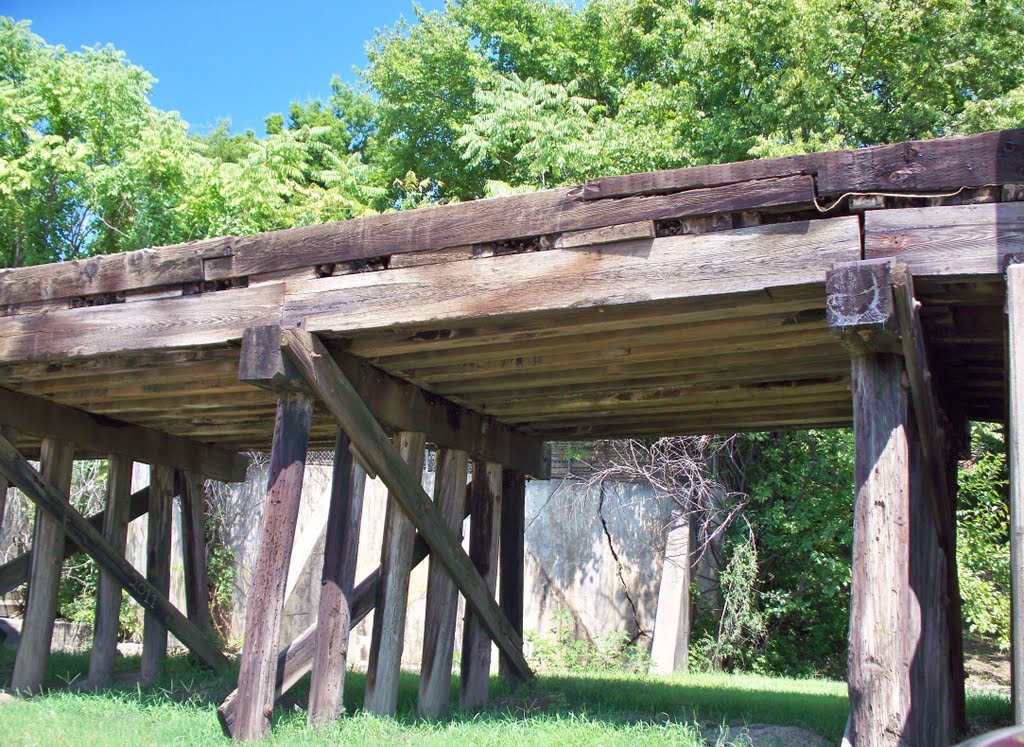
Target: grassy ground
x: 577, y: 709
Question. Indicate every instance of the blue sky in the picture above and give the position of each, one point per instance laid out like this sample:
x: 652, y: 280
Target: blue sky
x: 213, y: 59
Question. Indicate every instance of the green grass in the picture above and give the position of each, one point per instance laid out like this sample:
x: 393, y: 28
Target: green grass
x: 576, y: 709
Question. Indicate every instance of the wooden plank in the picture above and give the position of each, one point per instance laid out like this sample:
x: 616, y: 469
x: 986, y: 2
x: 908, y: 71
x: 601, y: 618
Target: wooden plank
x: 511, y: 568
x: 10, y: 434
x: 56, y: 462
x: 1015, y: 312
x: 158, y: 568
x: 725, y: 262
x: 267, y: 593
x: 181, y: 263
x: 951, y: 242
x: 42, y: 417
x: 341, y: 400
x: 388, y: 637
x: 193, y: 544
x: 607, y: 235
x: 16, y: 469
x: 108, y: 591
x: 921, y: 165
x: 341, y: 546
x: 495, y: 219
x: 400, y: 405
x: 485, y: 509
x: 442, y: 602
x: 190, y: 321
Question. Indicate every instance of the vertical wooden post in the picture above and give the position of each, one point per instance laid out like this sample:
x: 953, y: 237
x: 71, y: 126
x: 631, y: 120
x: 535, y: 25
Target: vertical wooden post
x: 108, y: 592
x: 57, y: 462
x: 442, y: 604
x: 8, y: 433
x: 193, y: 547
x: 511, y: 570
x: 1015, y: 437
x: 485, y: 512
x: 158, y: 567
x: 341, y: 546
x: 270, y: 578
x: 670, y: 649
x: 392, y: 592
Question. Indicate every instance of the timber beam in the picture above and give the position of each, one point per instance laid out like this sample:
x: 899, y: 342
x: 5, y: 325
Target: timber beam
x: 396, y: 404
x: 19, y: 472
x: 98, y: 433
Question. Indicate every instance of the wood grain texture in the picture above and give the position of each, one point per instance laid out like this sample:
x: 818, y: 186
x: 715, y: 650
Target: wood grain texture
x: 267, y: 595
x: 341, y: 545
x: 158, y: 569
x: 485, y: 510
x: 511, y: 568
x: 10, y: 434
x: 108, y: 591
x: 193, y: 545
x: 921, y: 165
x: 726, y: 262
x: 56, y: 463
x: 442, y: 601
x: 40, y: 416
x: 188, y: 321
x: 388, y: 635
x: 1015, y: 312
x: 952, y: 241
x: 17, y: 469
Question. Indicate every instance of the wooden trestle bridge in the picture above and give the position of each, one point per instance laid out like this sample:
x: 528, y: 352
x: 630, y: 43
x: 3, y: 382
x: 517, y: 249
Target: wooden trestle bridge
x: 864, y: 287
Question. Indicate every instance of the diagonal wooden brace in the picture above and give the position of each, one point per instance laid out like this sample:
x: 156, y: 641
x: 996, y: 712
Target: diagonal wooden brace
x: 16, y: 468
x: 334, y: 390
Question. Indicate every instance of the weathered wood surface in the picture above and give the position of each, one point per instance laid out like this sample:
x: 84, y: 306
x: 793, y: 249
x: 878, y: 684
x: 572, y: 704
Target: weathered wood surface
x: 670, y: 648
x: 511, y: 568
x: 108, y: 591
x: 484, y: 529
x: 1015, y: 365
x: 338, y: 396
x: 267, y: 594
x: 56, y: 463
x: 193, y: 544
x: 40, y: 416
x: 17, y: 469
x: 388, y: 635
x: 158, y: 569
x: 341, y: 545
x: 8, y: 433
x: 963, y: 240
x: 189, y: 321
x: 726, y: 262
x: 921, y: 165
x: 442, y: 601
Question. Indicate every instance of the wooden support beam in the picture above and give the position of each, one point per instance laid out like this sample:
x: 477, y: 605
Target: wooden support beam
x: 17, y: 469
x: 511, y: 568
x: 1015, y: 438
x: 341, y: 545
x: 267, y: 596
x: 158, y: 568
x: 193, y: 544
x: 14, y: 572
x: 9, y: 434
x: 442, y: 603
x: 485, y: 508
x: 108, y: 591
x: 399, y: 405
x: 343, y: 402
x: 100, y: 434
x: 388, y: 637
x: 56, y: 462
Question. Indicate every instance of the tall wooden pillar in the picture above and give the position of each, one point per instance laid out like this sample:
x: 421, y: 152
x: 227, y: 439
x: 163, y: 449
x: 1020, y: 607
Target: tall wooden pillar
x: 670, y: 649
x: 485, y: 512
x: 108, y: 592
x: 511, y: 569
x: 1015, y: 438
x: 442, y: 597
x: 8, y: 433
x: 193, y: 546
x: 57, y: 462
x: 158, y: 568
x: 341, y: 546
x: 389, y: 613
x: 267, y: 593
